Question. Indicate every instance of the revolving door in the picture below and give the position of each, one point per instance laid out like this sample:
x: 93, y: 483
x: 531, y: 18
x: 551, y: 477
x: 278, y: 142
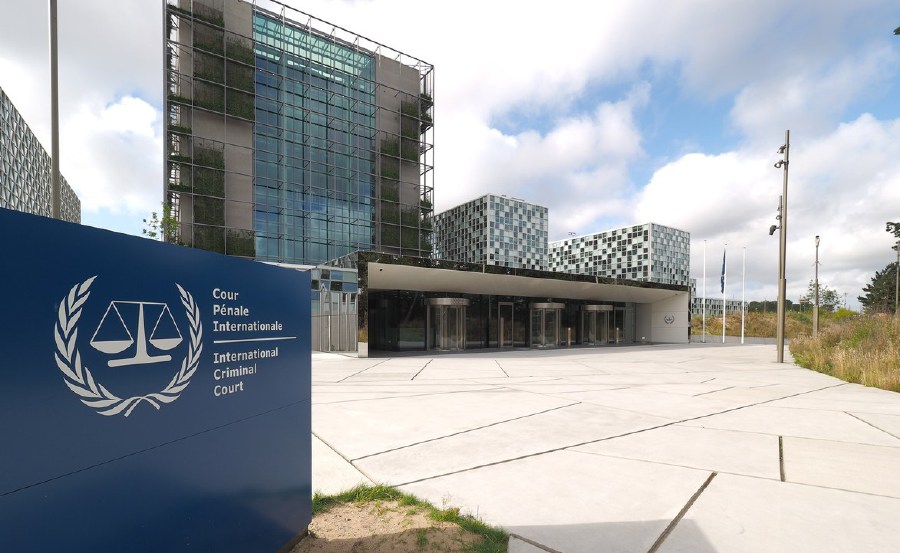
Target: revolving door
x: 446, y: 324
x: 545, y: 323
x: 595, y: 323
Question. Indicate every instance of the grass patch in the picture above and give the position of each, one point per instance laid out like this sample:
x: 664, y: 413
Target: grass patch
x: 863, y: 350
x: 764, y: 325
x: 493, y: 540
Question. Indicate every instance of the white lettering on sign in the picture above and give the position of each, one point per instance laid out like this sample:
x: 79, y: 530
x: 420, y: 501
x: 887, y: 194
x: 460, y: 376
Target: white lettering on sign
x: 230, y: 367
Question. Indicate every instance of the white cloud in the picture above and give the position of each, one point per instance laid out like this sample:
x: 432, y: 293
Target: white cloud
x: 842, y: 186
x: 112, y: 156
x: 580, y: 167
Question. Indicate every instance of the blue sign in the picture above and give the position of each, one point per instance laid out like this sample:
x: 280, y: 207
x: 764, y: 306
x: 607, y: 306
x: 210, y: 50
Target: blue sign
x: 152, y: 397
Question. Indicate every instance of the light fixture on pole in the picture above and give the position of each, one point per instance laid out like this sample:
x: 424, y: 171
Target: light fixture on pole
x: 894, y: 228
x: 816, y: 292
x: 785, y: 150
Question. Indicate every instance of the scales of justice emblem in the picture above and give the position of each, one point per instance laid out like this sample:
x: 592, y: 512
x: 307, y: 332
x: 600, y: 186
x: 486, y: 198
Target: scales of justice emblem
x: 113, y: 335
x: 147, y: 326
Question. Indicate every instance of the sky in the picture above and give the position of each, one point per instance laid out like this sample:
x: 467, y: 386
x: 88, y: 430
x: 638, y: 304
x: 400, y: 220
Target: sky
x: 608, y: 113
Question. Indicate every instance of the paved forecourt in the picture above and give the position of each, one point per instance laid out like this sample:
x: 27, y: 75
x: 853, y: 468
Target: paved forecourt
x: 696, y: 448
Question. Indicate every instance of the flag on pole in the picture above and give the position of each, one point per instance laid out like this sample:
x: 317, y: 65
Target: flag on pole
x: 723, y: 271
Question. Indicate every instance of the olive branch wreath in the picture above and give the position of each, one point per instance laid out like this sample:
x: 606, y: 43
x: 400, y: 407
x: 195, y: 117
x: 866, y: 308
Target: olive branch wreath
x: 79, y: 378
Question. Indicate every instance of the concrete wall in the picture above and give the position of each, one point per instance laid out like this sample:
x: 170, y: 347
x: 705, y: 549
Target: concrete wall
x: 669, y: 320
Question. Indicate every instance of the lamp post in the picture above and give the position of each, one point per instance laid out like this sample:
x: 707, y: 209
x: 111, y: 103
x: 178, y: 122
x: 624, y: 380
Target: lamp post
x: 816, y: 300
x: 54, y: 116
x: 785, y: 150
x: 897, y: 283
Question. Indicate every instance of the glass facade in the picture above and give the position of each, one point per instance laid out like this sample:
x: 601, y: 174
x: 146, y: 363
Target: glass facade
x: 401, y: 320
x: 313, y: 142
x: 496, y: 230
x: 647, y: 252
x: 292, y: 140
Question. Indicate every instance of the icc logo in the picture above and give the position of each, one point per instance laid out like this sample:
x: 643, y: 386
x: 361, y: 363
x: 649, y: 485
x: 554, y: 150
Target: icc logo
x: 112, y: 335
x: 669, y: 319
x: 131, y: 333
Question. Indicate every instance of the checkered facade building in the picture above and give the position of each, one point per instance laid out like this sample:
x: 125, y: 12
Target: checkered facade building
x: 648, y: 252
x: 25, y: 169
x: 496, y: 230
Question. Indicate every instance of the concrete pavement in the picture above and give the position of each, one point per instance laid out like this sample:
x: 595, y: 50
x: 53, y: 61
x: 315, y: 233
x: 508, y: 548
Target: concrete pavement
x: 699, y: 448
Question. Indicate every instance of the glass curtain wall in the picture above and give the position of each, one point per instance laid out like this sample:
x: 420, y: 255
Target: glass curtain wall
x: 313, y: 138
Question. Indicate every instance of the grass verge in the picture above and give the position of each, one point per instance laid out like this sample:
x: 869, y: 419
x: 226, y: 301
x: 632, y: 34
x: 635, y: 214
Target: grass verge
x: 493, y: 540
x: 863, y: 350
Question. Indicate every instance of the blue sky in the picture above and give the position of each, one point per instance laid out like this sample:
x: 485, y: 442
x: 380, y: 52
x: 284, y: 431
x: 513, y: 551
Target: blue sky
x: 609, y: 113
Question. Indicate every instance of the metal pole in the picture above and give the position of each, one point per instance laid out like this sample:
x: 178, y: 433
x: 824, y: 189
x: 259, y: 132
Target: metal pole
x: 743, y: 289
x: 816, y: 294
x: 54, y: 116
x: 897, y: 285
x: 724, y: 284
x: 703, y: 308
x: 782, y: 249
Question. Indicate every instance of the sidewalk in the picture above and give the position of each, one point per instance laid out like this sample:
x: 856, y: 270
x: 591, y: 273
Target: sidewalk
x: 696, y: 448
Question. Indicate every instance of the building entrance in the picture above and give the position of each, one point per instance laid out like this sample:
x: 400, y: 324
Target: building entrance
x: 595, y: 324
x: 447, y: 324
x: 545, y: 323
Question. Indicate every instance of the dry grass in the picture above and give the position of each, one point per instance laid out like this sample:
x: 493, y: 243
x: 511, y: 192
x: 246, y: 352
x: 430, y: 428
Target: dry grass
x: 763, y: 325
x: 864, y: 350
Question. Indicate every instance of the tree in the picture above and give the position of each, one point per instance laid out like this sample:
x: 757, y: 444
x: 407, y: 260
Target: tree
x: 893, y: 228
x: 829, y: 299
x: 879, y: 294
x: 161, y: 229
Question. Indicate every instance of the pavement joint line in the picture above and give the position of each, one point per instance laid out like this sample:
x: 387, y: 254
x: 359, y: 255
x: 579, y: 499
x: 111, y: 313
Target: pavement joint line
x: 571, y: 446
x: 422, y: 369
x: 737, y: 474
x: 501, y: 368
x: 781, y: 457
x: 493, y: 389
x: 832, y: 440
x: 714, y: 391
x: 872, y: 425
x: 341, y: 455
x: 665, y: 534
x: 540, y: 546
x: 362, y: 371
x: 654, y: 462
x: 465, y: 431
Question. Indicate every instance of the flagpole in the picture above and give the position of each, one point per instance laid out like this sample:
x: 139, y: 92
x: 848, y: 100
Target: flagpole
x: 724, y: 283
x: 743, y: 283
x: 704, y: 292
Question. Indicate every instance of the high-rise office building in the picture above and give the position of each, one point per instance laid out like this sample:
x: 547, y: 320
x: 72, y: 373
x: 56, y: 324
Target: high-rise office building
x: 290, y: 139
x: 496, y: 230
x: 25, y: 170
x: 648, y: 252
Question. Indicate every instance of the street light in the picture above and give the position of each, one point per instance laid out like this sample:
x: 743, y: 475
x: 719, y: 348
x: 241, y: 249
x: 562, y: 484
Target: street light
x: 785, y: 150
x: 897, y: 285
x: 816, y: 304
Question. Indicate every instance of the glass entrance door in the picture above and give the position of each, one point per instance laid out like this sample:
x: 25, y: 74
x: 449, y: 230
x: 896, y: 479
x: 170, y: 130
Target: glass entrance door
x: 545, y: 322
x: 595, y: 324
x: 505, y: 325
x: 447, y: 323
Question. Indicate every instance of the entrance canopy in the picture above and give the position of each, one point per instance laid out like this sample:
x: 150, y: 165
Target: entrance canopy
x: 385, y: 276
